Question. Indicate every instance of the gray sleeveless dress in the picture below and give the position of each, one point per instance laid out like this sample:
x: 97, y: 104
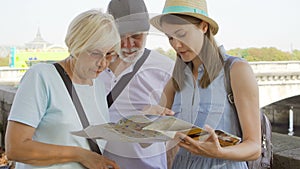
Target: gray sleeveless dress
x: 205, y: 106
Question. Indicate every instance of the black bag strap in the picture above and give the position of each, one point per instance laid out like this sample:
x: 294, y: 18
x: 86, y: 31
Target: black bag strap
x: 73, y: 94
x: 228, y: 62
x: 122, y: 83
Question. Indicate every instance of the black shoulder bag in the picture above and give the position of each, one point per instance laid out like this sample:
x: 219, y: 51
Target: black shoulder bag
x: 118, y: 88
x: 84, y: 121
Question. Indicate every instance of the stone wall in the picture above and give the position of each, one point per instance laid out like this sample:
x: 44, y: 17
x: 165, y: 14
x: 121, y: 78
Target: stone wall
x: 280, y: 115
x: 7, y: 94
x: 286, y: 148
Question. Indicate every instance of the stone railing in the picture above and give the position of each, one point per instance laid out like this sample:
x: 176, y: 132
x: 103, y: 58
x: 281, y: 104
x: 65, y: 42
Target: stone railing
x: 278, y: 78
x: 276, y: 73
x: 273, y: 72
x: 11, y: 76
x: 275, y: 66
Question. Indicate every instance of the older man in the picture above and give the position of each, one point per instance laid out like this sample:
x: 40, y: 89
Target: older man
x: 143, y: 89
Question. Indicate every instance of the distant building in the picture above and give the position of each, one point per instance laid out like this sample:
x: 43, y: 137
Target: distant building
x: 34, y: 52
x: 38, y: 43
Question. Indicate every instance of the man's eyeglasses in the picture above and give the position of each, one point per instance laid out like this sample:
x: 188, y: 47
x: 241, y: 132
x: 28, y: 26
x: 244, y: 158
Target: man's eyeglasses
x: 135, y: 36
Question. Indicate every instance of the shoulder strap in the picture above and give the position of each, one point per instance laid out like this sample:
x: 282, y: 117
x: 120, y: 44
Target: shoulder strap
x: 227, y: 79
x: 122, y: 83
x: 92, y: 143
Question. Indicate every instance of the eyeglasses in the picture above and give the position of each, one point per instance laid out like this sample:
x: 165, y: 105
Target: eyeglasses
x: 98, y: 54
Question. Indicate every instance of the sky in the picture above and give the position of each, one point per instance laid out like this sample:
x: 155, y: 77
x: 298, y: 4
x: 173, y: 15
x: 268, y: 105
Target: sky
x: 242, y: 23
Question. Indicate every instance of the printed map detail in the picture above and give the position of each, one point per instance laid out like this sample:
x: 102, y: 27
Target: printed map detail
x: 150, y: 129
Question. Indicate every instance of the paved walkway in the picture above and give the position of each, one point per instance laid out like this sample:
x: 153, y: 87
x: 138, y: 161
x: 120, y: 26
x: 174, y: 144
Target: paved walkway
x: 286, y: 151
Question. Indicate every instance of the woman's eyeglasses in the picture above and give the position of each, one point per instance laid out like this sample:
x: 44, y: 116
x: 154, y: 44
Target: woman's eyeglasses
x: 98, y: 54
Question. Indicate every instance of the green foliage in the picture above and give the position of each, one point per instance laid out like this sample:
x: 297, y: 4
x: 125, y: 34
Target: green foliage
x: 170, y: 53
x: 296, y: 55
x: 264, y: 54
x: 251, y: 54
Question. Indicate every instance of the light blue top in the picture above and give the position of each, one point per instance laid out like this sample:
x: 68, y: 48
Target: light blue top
x: 205, y: 106
x: 43, y: 102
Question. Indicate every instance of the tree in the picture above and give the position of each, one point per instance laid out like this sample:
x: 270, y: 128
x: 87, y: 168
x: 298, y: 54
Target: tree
x: 251, y: 54
x: 170, y: 53
x: 264, y: 54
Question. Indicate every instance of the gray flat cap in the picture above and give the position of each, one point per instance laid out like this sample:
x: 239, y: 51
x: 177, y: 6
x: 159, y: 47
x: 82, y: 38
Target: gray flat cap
x: 131, y: 15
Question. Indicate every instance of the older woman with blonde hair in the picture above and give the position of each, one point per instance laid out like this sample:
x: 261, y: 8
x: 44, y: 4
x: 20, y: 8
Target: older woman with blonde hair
x: 43, y: 115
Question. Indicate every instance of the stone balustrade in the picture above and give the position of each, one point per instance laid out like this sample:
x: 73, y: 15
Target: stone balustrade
x: 278, y: 78
x: 11, y: 76
x: 275, y: 66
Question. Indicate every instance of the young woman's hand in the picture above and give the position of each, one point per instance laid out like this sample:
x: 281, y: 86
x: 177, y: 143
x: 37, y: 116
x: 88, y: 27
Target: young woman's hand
x: 210, y: 147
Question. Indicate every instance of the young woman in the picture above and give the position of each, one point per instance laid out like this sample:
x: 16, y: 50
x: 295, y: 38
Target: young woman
x: 197, y: 93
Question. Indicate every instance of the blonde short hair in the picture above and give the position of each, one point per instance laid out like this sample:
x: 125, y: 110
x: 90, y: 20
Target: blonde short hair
x: 92, y: 29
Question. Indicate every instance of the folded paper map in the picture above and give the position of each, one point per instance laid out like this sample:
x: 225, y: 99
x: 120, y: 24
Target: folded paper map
x: 150, y: 129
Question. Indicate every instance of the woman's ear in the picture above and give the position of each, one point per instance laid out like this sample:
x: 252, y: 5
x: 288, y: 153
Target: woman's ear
x: 203, y: 26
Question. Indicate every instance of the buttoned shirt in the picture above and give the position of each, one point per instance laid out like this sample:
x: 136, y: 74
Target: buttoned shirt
x: 145, y: 88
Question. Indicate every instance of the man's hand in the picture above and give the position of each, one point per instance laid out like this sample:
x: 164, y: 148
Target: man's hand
x: 157, y: 110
